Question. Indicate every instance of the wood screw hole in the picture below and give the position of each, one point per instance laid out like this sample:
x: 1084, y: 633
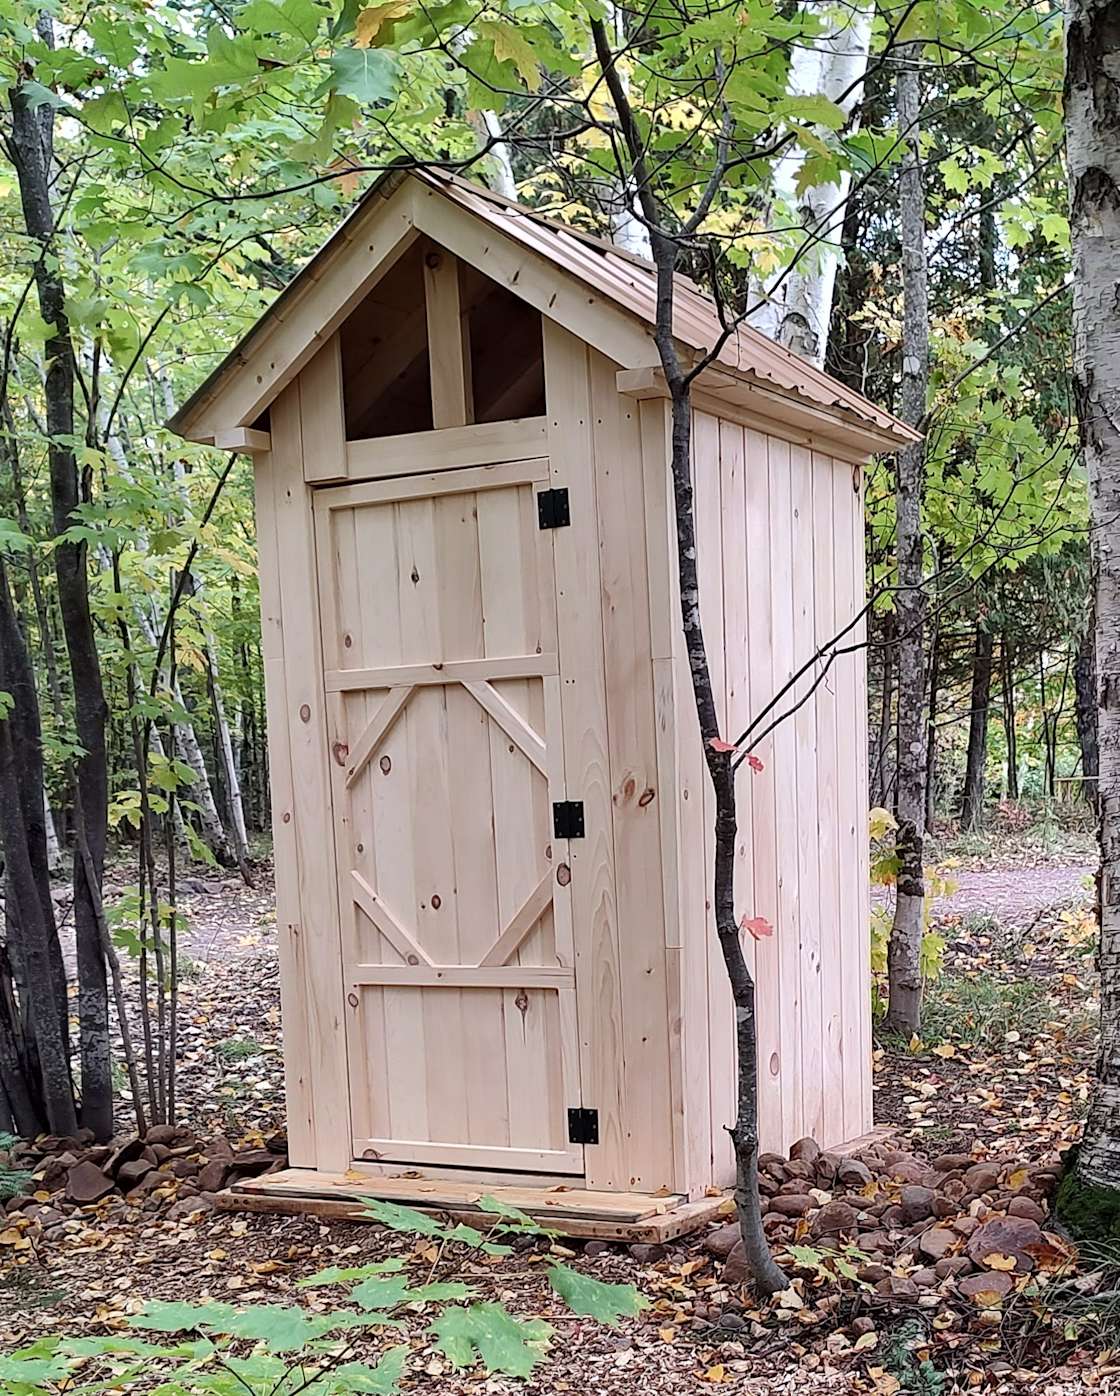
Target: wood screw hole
x: 436, y: 901
x: 413, y: 960
x: 304, y: 713
x: 646, y: 797
x: 352, y: 1000
x: 386, y: 765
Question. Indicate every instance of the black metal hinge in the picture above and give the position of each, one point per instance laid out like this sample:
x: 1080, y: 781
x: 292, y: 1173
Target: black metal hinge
x: 567, y: 819
x: 553, y: 510
x: 583, y: 1126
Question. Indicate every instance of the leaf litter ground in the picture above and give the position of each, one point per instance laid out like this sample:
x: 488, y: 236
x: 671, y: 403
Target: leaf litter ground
x: 1003, y: 1071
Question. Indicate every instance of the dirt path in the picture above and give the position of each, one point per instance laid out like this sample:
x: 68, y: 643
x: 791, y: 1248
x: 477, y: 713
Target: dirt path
x: 1014, y: 896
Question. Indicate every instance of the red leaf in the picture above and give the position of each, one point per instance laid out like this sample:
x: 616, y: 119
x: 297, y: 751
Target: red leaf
x: 753, y: 762
x: 718, y: 744
x: 758, y: 926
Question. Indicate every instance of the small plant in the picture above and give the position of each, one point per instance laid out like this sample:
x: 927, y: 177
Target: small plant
x: 283, y: 1350
x: 237, y: 1049
x: 904, y: 1357
x: 983, y: 1010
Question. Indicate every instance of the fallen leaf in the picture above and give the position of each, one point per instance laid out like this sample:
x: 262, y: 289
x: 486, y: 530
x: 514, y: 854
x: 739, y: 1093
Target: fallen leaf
x: 758, y: 926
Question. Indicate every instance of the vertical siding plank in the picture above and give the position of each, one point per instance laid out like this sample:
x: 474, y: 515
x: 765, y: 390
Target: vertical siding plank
x: 635, y: 794
x: 311, y: 800
x: 783, y: 760
x: 770, y: 1005
x: 322, y: 415
x: 586, y: 764
x: 446, y: 358
x: 298, y: 1092
x: 829, y: 897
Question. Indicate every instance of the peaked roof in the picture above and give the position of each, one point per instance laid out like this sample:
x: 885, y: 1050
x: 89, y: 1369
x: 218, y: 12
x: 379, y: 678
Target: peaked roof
x: 627, y: 281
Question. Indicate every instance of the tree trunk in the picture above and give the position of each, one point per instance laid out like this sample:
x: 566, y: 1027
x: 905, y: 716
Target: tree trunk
x: 796, y: 304
x: 931, y: 728
x: 30, y: 147
x: 904, y: 956
x: 1010, y: 736
x: 881, y: 787
x: 1085, y: 690
x: 972, y: 800
x: 1093, y: 161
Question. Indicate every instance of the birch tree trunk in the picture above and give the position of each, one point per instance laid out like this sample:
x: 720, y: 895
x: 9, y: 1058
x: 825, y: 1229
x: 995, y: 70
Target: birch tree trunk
x: 796, y: 304
x: 1093, y: 162
x: 972, y: 800
x: 1085, y: 691
x: 903, y: 961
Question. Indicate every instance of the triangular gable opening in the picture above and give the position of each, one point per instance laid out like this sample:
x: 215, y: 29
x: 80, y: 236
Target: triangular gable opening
x: 435, y: 344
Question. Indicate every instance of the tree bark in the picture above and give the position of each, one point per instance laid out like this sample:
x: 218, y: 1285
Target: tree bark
x: 1010, y: 735
x: 1093, y: 163
x: 931, y: 728
x: 903, y: 960
x: 30, y: 146
x: 881, y: 788
x: 1085, y: 690
x: 972, y: 799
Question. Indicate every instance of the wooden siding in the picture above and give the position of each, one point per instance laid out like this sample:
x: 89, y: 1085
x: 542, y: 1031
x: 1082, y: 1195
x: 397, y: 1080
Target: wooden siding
x: 780, y: 553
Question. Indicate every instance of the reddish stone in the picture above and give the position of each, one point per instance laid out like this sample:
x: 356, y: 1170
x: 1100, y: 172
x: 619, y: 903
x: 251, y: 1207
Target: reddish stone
x: 953, y: 1265
x: 130, y: 1173
x: 898, y: 1287
x: 805, y: 1150
x: 792, y: 1204
x: 1025, y: 1207
x: 916, y: 1203
x: 86, y: 1183
x: 833, y: 1218
x: 852, y: 1173
x: 981, y: 1177
x: 212, y: 1175
x: 936, y: 1242
x: 1006, y: 1236
x: 906, y: 1171
x: 720, y: 1242
x: 949, y: 1163
x: 988, y: 1282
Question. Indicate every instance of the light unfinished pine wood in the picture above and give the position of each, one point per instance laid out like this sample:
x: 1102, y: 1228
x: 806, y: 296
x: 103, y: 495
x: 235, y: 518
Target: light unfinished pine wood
x: 586, y: 758
x: 299, y: 1096
x: 452, y: 448
x: 311, y: 812
x: 446, y: 360
x: 243, y: 439
x: 376, y: 730
x: 511, y: 722
x: 520, y: 923
x: 322, y: 415
x: 515, y: 666
x: 452, y: 479
x: 632, y: 758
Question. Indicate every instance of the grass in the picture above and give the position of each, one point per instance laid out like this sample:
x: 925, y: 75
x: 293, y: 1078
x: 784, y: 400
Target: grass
x: 237, y: 1049
x: 983, y: 1010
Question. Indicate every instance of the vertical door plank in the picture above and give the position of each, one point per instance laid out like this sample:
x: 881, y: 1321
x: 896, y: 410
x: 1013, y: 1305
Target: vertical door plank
x: 631, y: 727
x: 311, y: 796
x: 586, y: 765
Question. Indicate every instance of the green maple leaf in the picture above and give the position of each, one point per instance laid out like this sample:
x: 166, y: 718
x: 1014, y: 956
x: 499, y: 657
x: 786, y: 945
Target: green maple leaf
x: 503, y: 1342
x: 379, y: 1380
x: 163, y: 1316
x: 282, y: 1326
x: 340, y: 1274
x: 584, y: 1294
x: 369, y: 75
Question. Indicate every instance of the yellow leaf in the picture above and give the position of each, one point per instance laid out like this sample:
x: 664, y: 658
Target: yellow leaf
x: 511, y: 46
x: 997, y: 1261
x: 371, y: 19
x: 865, y: 1341
x: 217, y: 1254
x: 944, y: 1049
x: 667, y: 1335
x: 10, y: 1237
x: 715, y: 1373
x: 1018, y: 1179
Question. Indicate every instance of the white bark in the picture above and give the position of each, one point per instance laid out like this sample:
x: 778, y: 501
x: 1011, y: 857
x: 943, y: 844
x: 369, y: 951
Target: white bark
x: 501, y: 165
x: 54, y: 849
x: 1093, y: 162
x: 795, y: 304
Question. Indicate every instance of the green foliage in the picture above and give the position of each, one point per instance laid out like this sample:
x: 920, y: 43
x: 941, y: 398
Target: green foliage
x: 271, y: 1349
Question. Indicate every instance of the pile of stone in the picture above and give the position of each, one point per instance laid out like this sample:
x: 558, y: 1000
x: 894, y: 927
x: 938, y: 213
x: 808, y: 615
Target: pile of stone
x: 954, y: 1221
x: 169, y: 1171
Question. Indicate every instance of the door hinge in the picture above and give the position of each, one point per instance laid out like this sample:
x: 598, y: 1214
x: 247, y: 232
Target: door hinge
x: 567, y: 819
x: 583, y: 1126
x: 553, y: 510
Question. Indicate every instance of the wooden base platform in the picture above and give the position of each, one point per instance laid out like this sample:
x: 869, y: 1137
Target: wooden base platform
x: 623, y: 1216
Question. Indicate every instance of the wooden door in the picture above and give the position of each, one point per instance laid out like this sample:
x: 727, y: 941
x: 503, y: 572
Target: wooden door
x: 439, y: 646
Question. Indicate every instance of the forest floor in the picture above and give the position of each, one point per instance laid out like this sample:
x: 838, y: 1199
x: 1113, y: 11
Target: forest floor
x: 1002, y: 1070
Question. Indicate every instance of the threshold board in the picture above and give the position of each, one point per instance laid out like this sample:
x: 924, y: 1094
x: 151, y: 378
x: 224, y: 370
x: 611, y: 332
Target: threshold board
x: 579, y: 1212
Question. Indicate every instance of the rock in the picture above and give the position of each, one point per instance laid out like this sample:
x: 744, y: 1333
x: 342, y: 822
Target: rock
x: 925, y: 1278
x: 877, y: 1240
x: 834, y: 1217
x: 852, y: 1173
x: 989, y: 1282
x: 936, y: 1242
x: 590, y: 1248
x: 735, y: 1266
x: 863, y: 1324
x: 806, y: 1150
x: 949, y: 1163
x: 1044, y: 1180
x: 897, y: 1287
x: 916, y: 1203
x: 85, y: 1183
x: 185, y: 1168
x: 1006, y: 1236
x: 794, y: 1204
x: 906, y: 1171
x: 774, y: 1164
x: 872, y: 1273
x: 1026, y: 1207
x: 124, y: 1153
x: 965, y: 1226
x: 944, y: 1207
x: 732, y: 1321
x: 252, y: 1161
x: 130, y: 1173
x: 826, y: 1168
x: 892, y: 1216
x: 646, y: 1254
x: 51, y: 1175
x: 162, y: 1134
x: 953, y: 1265
x: 981, y: 1177
x: 212, y: 1175
x: 187, y: 1207
x: 799, y: 1169
x: 44, y: 1215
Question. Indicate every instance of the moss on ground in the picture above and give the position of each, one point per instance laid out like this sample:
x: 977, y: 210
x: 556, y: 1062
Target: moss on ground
x: 1089, y: 1212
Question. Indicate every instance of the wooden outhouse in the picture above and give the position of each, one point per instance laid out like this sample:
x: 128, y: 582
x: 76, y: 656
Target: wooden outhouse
x: 491, y: 815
